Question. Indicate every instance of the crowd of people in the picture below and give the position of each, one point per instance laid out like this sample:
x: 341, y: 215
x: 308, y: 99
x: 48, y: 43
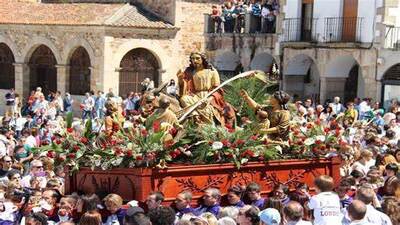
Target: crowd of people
x: 32, y: 187
x: 231, y: 15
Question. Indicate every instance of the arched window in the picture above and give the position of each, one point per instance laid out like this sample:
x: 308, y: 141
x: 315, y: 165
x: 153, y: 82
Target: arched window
x: 43, y: 71
x: 79, y: 73
x: 137, y: 65
x: 7, y: 74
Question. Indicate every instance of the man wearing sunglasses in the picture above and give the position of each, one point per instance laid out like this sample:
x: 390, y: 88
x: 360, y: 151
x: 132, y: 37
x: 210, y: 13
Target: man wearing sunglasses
x: 36, y: 171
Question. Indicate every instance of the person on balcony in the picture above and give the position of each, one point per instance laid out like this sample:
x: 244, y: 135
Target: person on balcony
x: 229, y: 13
x: 216, y: 18
x: 268, y: 18
x: 241, y: 9
x: 256, y: 16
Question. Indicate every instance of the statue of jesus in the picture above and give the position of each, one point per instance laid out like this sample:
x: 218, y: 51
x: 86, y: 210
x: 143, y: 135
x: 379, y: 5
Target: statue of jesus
x: 195, y: 83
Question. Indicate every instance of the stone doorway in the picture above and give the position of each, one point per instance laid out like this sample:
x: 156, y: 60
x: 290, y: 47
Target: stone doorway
x: 43, y: 71
x: 135, y: 66
x: 79, y: 74
x: 7, y: 74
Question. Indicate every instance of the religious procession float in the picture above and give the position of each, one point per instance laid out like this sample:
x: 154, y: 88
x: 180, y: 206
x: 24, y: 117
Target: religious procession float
x: 214, y: 134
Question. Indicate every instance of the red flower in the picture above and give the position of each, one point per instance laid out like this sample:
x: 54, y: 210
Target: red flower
x: 144, y: 132
x: 318, y: 142
x: 309, y: 126
x: 323, y: 147
x: 248, y: 153
x: 240, y: 142
x: 300, y: 142
x: 296, y: 132
x: 169, y: 144
x: 226, y: 143
x: 45, y: 142
x: 115, y: 127
x: 173, y: 155
x: 51, y: 154
x: 156, y: 126
x: 139, y: 157
x: 76, y: 148
x: 58, y: 141
x: 173, y: 131
x: 261, y: 158
x: 254, y: 137
x: 62, y: 158
x: 84, y: 140
x: 71, y: 155
x: 118, y: 151
x: 53, y: 138
x: 129, y: 153
x: 326, y: 129
x: 318, y: 122
x: 113, y: 142
x: 337, y: 132
x: 229, y: 155
x: 69, y: 130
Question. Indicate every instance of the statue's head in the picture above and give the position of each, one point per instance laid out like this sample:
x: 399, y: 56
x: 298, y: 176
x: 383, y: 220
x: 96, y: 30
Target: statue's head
x: 199, y: 59
x: 111, y: 106
x: 280, y: 98
x: 164, y: 102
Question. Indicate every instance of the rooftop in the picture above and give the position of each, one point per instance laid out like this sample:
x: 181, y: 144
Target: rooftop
x: 97, y: 14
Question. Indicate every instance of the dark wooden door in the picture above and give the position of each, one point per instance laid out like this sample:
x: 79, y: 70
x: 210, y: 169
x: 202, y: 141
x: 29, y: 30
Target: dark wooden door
x: 351, y: 85
x: 307, y: 20
x: 6, y: 67
x: 349, y: 26
x: 137, y: 65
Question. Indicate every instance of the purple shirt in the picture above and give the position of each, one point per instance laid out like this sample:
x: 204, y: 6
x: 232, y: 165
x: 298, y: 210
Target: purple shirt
x: 211, y: 209
x: 258, y: 203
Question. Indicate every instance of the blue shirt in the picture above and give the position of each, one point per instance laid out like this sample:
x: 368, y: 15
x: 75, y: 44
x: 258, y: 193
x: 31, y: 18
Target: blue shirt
x: 239, y: 204
x: 184, y: 211
x: 259, y: 203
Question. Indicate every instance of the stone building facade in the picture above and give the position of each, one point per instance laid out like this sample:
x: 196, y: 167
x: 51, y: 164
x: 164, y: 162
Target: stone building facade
x: 96, y: 46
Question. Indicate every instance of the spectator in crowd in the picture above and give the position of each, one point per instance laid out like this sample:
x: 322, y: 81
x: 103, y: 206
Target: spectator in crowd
x: 234, y: 196
x: 154, y: 200
x: 99, y: 105
x: 163, y: 215
x: 10, y: 101
x: 172, y: 89
x: 337, y: 107
x: 256, y: 14
x: 254, y: 195
x: 91, y: 218
x: 270, y: 216
x: 248, y: 215
x: 326, y: 204
x: 182, y: 204
x: 113, y: 203
x: 216, y: 17
x: 229, y: 13
x: 211, y: 199
x: 356, y: 212
x: 68, y: 101
x: 293, y: 213
x: 87, y: 106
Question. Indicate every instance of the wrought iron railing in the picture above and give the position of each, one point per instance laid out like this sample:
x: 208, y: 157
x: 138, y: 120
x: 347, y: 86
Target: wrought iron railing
x: 392, y: 38
x: 299, y: 29
x: 342, y: 29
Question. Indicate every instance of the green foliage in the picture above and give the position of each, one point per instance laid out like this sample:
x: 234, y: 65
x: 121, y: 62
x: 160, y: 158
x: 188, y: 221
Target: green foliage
x: 257, y: 90
x: 69, y: 119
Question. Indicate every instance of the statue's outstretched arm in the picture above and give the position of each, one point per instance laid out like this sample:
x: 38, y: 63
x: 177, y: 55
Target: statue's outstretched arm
x: 253, y: 104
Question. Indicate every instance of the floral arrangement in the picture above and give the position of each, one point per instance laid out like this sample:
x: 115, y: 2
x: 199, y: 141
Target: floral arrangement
x: 157, y: 145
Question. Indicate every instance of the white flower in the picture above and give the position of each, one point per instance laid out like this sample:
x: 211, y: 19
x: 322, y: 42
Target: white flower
x: 116, y: 162
x: 309, y: 141
x: 320, y: 138
x: 278, y: 148
x: 97, y: 162
x: 217, y: 145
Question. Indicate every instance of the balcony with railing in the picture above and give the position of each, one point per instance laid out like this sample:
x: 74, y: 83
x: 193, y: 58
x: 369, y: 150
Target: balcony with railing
x: 242, y: 24
x: 323, y: 30
x: 342, y: 29
x: 392, y: 38
x: 300, y: 30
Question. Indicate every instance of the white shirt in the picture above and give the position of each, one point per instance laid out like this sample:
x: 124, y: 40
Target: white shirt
x: 19, y: 123
x: 360, y: 222
x: 363, y: 168
x: 300, y: 222
x: 31, y: 141
x: 88, y: 104
x: 375, y: 217
x: 326, y: 206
